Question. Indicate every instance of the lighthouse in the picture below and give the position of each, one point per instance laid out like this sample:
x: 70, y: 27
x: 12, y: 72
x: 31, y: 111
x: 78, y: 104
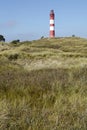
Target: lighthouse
x: 52, y: 24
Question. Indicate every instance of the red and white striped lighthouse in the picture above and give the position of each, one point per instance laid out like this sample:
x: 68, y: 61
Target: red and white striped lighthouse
x: 52, y: 24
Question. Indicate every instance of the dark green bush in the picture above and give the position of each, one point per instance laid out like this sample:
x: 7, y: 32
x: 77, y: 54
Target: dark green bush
x: 13, y: 56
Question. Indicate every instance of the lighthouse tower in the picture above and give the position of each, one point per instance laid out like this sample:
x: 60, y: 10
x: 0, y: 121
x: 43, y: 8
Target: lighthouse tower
x: 52, y: 24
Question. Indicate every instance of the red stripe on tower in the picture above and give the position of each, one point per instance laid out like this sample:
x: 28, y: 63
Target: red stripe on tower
x: 52, y: 24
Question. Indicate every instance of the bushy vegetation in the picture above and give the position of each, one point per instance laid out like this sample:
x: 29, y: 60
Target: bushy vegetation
x: 2, y: 39
x: 15, y: 41
x: 45, y: 87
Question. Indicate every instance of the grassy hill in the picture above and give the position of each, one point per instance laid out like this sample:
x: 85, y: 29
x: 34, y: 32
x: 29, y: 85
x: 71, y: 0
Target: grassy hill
x: 43, y: 84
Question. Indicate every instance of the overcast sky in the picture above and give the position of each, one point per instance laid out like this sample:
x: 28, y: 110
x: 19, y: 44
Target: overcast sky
x: 29, y: 19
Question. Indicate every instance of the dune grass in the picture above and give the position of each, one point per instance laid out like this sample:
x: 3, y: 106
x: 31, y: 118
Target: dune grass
x: 45, y: 86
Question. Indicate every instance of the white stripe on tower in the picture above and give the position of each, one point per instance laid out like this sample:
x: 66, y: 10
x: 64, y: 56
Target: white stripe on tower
x: 52, y: 24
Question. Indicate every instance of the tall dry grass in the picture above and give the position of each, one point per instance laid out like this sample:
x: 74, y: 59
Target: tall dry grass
x: 48, y: 98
